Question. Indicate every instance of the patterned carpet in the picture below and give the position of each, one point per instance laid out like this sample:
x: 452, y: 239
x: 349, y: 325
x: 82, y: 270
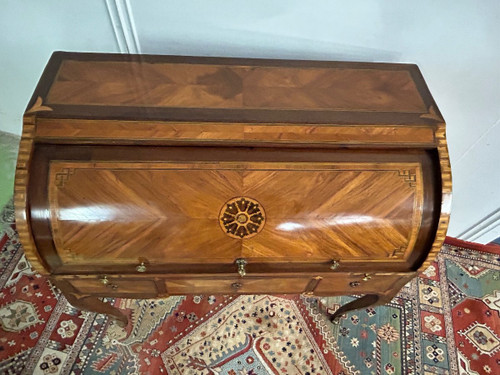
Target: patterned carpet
x: 445, y: 322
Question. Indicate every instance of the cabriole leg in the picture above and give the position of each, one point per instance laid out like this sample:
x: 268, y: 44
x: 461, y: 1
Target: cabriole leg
x: 360, y: 303
x: 89, y: 303
x: 94, y: 304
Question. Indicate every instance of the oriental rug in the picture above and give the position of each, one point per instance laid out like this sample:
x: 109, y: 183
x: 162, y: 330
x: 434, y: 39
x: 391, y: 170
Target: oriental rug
x: 446, y: 321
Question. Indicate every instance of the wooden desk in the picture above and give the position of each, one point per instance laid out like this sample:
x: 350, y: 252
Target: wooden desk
x: 148, y: 176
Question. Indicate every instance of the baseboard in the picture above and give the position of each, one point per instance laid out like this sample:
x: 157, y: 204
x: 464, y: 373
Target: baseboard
x: 490, y: 248
x: 485, y: 230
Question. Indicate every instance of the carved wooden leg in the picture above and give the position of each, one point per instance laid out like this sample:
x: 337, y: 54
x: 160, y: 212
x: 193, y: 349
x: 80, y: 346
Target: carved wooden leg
x: 373, y: 299
x: 89, y: 303
x: 94, y: 304
x: 362, y: 302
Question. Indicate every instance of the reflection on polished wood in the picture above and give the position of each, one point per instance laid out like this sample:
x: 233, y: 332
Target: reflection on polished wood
x: 237, y: 86
x: 129, y: 165
x: 323, y: 211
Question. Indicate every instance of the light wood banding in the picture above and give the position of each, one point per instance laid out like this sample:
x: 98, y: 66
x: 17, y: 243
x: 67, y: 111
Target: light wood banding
x: 23, y: 223
x: 91, y: 131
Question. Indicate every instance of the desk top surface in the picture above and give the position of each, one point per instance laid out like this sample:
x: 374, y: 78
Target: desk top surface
x: 179, y: 88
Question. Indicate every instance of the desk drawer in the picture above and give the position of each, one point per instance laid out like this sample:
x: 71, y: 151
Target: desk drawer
x: 115, y: 286
x: 358, y: 283
x: 335, y: 284
x: 245, y: 285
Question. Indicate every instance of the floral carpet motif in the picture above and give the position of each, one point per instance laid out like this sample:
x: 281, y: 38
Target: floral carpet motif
x: 446, y: 321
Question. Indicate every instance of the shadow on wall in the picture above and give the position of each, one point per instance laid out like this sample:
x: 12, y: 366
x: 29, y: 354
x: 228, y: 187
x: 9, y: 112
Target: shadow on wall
x: 278, y: 47
x: 9, y: 145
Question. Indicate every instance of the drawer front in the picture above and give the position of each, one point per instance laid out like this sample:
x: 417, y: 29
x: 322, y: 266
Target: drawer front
x: 238, y: 286
x: 115, y: 286
x: 358, y: 284
x: 270, y: 207
x: 338, y: 284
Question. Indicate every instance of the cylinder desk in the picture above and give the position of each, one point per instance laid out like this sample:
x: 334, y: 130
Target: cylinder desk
x: 144, y: 176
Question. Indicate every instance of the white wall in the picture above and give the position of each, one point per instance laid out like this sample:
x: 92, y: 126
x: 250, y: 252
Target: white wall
x: 29, y: 32
x: 455, y: 43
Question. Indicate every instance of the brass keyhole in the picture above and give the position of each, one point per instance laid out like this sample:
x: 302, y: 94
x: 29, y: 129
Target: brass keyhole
x: 236, y: 286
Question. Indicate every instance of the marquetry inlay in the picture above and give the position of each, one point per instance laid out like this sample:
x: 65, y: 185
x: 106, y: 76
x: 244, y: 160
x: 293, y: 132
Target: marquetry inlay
x: 63, y: 176
x: 38, y: 106
x: 398, y: 252
x: 242, y: 217
x: 409, y: 176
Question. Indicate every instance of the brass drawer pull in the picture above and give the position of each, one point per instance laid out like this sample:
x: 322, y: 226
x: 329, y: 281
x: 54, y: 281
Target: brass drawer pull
x: 334, y: 265
x: 241, y: 263
x: 141, y: 267
x: 354, y: 284
x: 367, y: 277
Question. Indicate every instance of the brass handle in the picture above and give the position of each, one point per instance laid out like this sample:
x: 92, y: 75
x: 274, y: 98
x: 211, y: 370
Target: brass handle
x: 104, y: 280
x: 141, y: 267
x: 354, y: 284
x: 334, y: 265
x: 366, y: 277
x: 241, y: 263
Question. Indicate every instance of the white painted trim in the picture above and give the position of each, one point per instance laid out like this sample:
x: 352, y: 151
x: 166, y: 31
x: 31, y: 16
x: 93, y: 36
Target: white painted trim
x: 122, y: 20
x: 117, y: 27
x: 484, y: 231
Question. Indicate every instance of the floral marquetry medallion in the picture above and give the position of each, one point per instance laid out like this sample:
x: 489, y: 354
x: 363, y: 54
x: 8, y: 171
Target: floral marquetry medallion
x: 242, y: 217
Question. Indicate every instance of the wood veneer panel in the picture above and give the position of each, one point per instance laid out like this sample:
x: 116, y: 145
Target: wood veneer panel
x: 50, y: 154
x: 113, y: 83
x: 88, y: 131
x: 111, y: 210
x: 184, y: 88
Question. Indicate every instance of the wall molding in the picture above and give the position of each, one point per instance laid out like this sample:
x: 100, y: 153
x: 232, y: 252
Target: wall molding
x: 485, y: 230
x: 122, y: 20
